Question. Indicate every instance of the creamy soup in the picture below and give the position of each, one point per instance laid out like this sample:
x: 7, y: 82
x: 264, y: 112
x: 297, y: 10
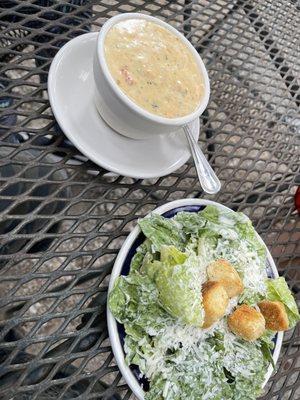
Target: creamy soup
x: 154, y: 68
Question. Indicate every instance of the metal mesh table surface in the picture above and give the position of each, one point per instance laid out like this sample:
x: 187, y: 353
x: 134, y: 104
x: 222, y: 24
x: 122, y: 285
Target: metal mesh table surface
x: 63, y: 218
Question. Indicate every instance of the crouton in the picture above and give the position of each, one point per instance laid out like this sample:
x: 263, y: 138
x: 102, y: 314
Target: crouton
x: 247, y: 323
x: 215, y: 302
x: 275, y: 315
x: 222, y: 271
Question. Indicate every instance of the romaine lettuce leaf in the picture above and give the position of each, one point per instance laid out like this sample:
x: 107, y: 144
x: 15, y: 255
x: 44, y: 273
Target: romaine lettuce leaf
x: 137, y: 259
x: 211, y: 213
x: 207, y: 244
x: 247, y: 232
x: 198, y: 375
x: 278, y: 290
x: 191, y: 222
x: 172, y: 256
x: 233, y: 225
x: 250, y: 297
x: 266, y: 345
x: 268, y: 337
x: 162, y: 231
x: 178, y: 282
x: 134, y: 300
x: 245, y: 363
x: 121, y: 300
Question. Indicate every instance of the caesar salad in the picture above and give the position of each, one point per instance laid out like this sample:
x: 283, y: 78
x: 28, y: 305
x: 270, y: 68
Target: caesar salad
x: 198, y: 308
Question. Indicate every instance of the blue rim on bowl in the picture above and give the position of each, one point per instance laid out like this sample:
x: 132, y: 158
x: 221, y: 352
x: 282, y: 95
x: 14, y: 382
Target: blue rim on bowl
x: 122, y: 266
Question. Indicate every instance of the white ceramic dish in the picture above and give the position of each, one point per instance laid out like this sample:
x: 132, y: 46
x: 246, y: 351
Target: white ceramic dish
x: 117, y: 269
x: 71, y: 89
x: 118, y: 110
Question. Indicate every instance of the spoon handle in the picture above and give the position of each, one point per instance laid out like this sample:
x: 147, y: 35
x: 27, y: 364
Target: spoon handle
x: 208, y: 179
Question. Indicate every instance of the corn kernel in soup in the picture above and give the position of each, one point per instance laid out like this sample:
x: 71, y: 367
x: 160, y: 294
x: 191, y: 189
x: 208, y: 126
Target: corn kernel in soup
x: 154, y: 68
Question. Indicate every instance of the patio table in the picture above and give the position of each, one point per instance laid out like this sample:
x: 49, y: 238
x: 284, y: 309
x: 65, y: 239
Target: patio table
x: 63, y: 218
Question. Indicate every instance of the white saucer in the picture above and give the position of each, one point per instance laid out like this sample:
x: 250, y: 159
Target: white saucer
x: 71, y: 89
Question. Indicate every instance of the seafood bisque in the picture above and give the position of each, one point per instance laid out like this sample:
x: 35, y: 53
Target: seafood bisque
x: 154, y: 68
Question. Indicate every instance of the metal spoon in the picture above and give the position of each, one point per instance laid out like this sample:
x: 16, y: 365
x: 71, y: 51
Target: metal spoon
x: 207, y: 178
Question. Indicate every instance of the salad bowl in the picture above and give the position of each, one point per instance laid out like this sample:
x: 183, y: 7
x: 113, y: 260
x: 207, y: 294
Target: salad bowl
x: 132, y: 374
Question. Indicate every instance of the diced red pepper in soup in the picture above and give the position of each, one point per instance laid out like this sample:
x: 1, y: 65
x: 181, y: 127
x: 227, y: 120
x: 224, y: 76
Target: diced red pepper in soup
x: 127, y: 76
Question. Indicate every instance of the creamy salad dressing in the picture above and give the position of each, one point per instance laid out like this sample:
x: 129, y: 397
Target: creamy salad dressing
x: 154, y: 68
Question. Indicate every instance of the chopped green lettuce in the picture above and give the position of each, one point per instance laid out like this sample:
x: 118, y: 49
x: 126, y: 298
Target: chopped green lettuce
x: 178, y: 281
x: 139, y: 256
x: 162, y: 231
x: 199, y: 374
x: 266, y: 346
x: 172, y: 256
x: 246, y: 365
x: 191, y: 223
x: 278, y: 290
x: 207, y: 244
x: 160, y: 305
x: 233, y: 225
x: 134, y: 300
x: 211, y: 213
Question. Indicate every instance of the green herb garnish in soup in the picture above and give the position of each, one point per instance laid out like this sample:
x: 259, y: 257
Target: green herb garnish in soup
x: 154, y: 68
